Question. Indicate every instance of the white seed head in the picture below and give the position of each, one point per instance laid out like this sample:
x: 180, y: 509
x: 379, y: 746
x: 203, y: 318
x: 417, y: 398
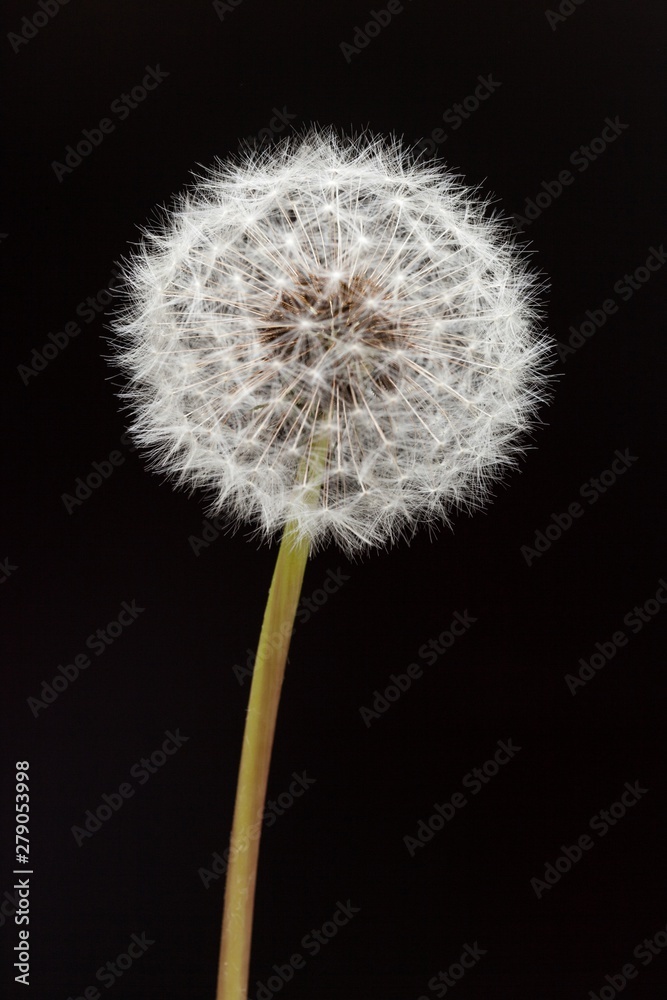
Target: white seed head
x: 331, y: 288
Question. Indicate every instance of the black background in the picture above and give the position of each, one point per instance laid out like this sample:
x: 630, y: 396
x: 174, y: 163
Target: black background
x: 131, y: 539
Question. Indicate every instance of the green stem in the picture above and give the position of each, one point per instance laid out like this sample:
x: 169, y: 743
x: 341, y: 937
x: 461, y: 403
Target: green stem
x: 267, y: 680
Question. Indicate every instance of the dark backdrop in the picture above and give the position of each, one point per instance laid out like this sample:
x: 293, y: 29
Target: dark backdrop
x: 545, y: 896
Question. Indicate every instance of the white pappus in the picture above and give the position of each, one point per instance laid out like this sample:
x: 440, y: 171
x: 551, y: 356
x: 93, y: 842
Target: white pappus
x: 337, y: 289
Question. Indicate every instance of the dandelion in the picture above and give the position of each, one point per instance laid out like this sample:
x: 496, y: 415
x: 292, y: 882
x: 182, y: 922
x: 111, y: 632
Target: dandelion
x: 338, y: 342
x: 331, y: 288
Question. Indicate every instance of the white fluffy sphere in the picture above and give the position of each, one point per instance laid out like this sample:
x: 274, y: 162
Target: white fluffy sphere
x: 331, y: 289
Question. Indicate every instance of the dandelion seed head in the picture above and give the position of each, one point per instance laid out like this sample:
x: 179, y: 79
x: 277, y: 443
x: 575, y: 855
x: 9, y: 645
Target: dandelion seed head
x: 340, y: 287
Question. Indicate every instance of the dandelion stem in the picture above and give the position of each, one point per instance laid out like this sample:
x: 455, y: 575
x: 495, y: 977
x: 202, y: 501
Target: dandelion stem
x: 258, y: 735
